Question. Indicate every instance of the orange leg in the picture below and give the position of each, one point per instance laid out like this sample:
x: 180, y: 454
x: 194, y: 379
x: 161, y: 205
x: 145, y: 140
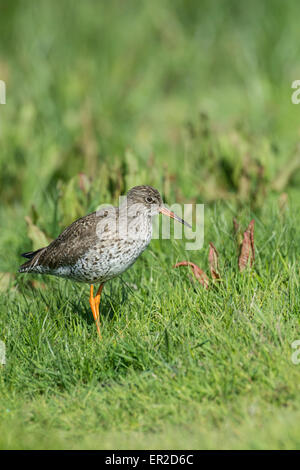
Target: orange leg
x: 94, y: 303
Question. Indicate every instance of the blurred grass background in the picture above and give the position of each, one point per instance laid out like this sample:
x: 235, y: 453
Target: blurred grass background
x: 192, y: 97
x: 104, y: 89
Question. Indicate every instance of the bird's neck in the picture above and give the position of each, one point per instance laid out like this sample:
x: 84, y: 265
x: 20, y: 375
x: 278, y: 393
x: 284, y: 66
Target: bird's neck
x: 137, y: 225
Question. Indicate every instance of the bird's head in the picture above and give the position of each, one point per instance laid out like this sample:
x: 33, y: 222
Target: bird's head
x: 150, y: 200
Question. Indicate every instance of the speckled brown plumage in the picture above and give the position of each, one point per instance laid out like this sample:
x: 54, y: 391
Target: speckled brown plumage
x: 71, y: 244
x: 101, y: 245
x: 85, y: 251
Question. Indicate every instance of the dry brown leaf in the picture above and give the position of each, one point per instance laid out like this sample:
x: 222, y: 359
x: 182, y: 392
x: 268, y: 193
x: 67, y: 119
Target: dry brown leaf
x: 247, y: 254
x: 199, y: 274
x: 245, y: 251
x: 251, y: 229
x: 213, y: 261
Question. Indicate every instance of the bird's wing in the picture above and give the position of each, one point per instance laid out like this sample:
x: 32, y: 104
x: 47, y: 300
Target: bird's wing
x: 70, y: 245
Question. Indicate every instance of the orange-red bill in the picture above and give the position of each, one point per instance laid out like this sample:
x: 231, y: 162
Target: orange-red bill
x: 165, y: 211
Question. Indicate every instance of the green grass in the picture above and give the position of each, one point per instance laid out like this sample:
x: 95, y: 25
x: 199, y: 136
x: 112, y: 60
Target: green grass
x: 193, y: 98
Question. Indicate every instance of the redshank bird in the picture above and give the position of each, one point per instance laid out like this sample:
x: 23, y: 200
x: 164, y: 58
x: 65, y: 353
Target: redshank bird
x: 101, y: 245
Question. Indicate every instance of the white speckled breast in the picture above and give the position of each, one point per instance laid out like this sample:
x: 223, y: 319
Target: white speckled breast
x: 112, y: 256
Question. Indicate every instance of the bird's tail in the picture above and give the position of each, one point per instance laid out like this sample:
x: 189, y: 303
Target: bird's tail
x: 33, y: 258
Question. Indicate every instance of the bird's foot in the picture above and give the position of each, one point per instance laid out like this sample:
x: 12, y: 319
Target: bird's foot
x: 94, y: 303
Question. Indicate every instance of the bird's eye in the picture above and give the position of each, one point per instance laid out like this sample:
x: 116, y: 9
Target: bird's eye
x: 149, y: 199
